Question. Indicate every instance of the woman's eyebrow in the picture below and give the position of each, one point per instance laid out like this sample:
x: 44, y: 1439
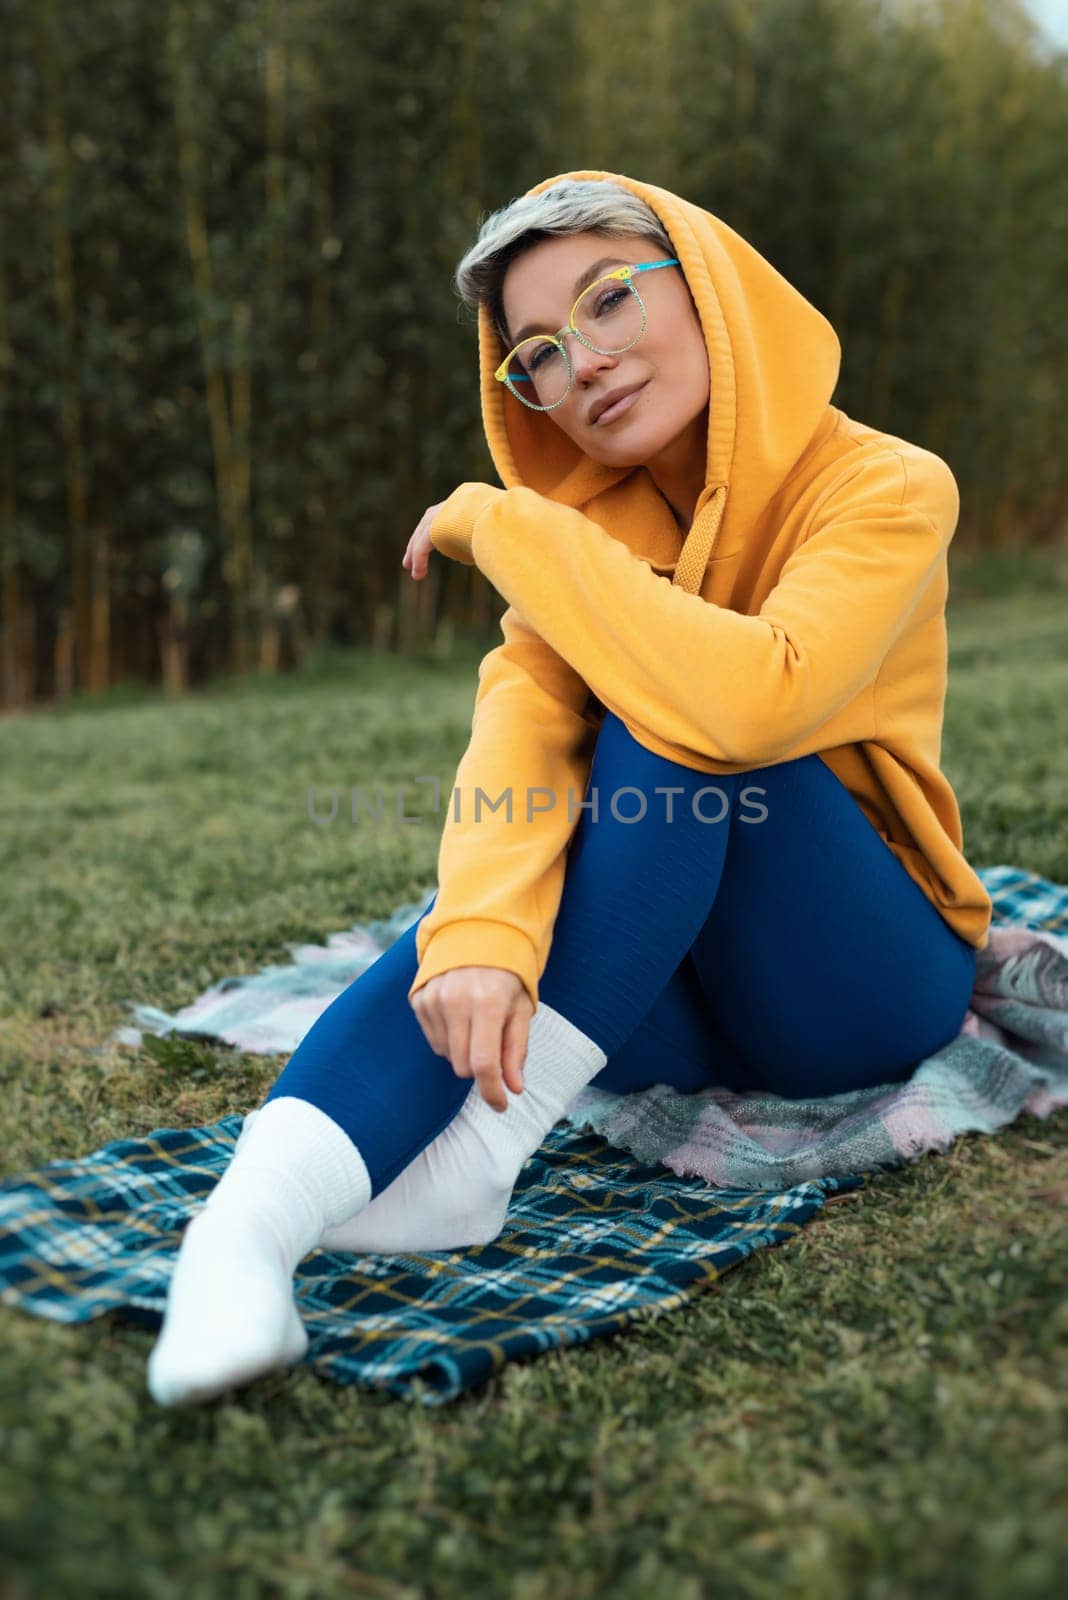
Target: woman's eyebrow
x: 583, y: 281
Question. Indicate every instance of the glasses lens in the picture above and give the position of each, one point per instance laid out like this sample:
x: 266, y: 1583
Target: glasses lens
x: 608, y: 315
x: 538, y: 369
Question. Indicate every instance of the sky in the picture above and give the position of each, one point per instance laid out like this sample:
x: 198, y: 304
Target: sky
x: 1052, y: 15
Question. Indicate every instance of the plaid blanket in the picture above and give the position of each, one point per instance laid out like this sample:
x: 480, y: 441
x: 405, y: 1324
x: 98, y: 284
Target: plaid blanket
x: 1010, y: 1056
x: 605, y: 1227
x: 594, y: 1241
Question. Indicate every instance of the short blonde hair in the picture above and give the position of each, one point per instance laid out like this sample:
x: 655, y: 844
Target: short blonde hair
x: 588, y: 205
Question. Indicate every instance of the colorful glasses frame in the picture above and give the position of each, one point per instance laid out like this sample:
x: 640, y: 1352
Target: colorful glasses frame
x: 624, y: 274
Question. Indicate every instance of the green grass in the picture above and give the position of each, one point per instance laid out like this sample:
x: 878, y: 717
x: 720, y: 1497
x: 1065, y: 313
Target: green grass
x: 875, y: 1409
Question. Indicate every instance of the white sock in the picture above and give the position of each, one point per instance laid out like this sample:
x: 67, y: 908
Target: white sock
x: 456, y: 1191
x: 230, y: 1313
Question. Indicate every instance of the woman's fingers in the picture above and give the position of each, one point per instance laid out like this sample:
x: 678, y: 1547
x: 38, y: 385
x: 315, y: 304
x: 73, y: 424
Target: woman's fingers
x: 487, y: 1023
x: 409, y: 558
x: 458, y: 1040
x: 417, y: 556
x: 430, y: 1033
x: 479, y: 1020
x: 514, y: 1049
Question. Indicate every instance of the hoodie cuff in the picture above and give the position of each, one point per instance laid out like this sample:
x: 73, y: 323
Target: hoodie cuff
x: 452, y: 529
x: 479, y: 942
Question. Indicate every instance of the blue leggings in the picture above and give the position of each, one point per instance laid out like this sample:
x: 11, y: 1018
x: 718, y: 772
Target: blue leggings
x: 750, y: 930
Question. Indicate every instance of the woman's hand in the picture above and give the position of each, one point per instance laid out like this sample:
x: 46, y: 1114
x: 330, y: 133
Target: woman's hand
x: 479, y: 1018
x: 417, y: 557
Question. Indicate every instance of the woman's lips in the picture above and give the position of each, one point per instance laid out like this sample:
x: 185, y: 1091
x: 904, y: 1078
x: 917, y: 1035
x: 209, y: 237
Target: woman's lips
x: 620, y: 406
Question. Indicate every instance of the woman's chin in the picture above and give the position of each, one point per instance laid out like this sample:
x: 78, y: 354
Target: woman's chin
x: 622, y: 450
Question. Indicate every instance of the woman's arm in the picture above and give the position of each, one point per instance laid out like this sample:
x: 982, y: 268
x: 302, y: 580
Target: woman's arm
x: 500, y: 881
x: 743, y: 690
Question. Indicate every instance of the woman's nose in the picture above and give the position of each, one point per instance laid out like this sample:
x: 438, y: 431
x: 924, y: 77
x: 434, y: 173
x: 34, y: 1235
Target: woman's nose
x: 585, y: 363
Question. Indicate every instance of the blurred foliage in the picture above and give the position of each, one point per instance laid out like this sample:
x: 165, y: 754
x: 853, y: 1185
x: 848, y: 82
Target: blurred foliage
x: 234, y: 372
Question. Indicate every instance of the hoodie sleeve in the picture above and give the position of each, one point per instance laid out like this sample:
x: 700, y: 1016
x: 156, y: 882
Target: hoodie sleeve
x: 744, y: 690
x: 452, y: 528
x: 502, y: 857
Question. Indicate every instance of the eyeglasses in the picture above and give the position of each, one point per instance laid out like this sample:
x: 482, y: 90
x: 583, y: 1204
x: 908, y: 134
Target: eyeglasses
x: 611, y: 308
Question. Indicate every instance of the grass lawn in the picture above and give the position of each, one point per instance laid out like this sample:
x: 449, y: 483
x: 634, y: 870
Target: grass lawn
x: 875, y: 1409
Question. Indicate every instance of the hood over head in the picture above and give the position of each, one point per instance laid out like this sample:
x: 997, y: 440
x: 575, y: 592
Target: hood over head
x: 773, y: 362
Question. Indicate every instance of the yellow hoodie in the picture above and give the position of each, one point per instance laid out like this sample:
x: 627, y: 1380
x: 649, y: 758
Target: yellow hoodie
x: 805, y: 612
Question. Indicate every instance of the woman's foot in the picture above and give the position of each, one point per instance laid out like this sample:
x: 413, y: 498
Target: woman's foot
x: 456, y: 1191
x: 230, y: 1315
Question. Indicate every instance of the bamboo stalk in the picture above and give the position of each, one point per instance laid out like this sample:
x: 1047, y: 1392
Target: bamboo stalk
x: 886, y: 354
x: 659, y: 56
x: 461, y: 178
x: 269, y: 573
x: 174, y: 641
x: 100, y: 612
x: 17, y: 664
x: 745, y: 120
x: 238, y: 561
x: 318, y: 580
x: 241, y: 457
x: 73, y: 656
x: 15, y: 691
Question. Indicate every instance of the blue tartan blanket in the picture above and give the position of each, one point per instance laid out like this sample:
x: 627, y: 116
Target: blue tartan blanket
x: 594, y: 1241
x: 632, y: 1205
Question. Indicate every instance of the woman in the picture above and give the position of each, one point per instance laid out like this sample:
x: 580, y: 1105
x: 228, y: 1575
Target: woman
x: 713, y: 845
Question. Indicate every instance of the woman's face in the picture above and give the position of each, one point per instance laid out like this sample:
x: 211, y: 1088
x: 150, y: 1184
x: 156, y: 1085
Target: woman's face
x: 670, y: 359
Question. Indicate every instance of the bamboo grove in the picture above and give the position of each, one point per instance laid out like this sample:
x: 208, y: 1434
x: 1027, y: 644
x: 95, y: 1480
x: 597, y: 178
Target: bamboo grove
x: 233, y: 368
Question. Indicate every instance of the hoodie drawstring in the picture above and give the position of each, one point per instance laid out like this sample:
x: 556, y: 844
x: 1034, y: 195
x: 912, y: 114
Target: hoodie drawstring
x: 693, y: 557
